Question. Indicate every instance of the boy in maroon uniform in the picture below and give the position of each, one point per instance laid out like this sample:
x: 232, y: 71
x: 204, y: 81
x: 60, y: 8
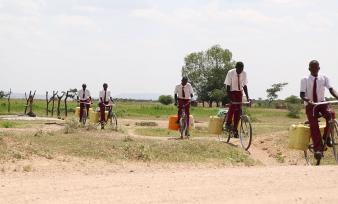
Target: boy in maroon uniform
x: 312, y: 90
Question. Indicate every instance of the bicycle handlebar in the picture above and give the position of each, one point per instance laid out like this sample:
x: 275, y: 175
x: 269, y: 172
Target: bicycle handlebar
x: 315, y: 105
x: 86, y: 103
x: 240, y: 103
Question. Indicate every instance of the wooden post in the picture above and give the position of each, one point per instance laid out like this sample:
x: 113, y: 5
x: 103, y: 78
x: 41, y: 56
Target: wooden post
x: 59, y: 102
x: 53, y: 100
x: 48, y: 100
x: 9, y: 101
x: 29, y: 103
x: 47, y: 103
x: 66, y: 108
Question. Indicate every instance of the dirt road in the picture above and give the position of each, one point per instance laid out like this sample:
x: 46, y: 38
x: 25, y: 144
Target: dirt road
x: 290, y: 184
x: 75, y: 181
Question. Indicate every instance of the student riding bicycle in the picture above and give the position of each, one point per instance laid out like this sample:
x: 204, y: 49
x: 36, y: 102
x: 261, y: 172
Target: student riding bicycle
x: 312, y: 90
x: 183, y: 96
x: 105, y: 100
x: 83, y: 96
x: 235, y: 82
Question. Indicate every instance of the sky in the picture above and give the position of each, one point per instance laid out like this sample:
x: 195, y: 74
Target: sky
x: 139, y: 46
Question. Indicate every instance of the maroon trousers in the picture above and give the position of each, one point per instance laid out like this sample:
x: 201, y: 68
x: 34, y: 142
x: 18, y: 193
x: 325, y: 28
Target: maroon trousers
x: 102, y: 110
x: 82, y: 106
x: 314, y: 126
x: 186, y: 104
x: 234, y: 109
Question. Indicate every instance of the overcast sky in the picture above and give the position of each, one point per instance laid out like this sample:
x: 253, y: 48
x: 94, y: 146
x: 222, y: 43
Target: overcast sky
x: 139, y: 46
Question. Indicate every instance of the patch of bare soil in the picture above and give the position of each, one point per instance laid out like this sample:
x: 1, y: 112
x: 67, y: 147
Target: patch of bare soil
x: 283, y: 178
x: 68, y: 181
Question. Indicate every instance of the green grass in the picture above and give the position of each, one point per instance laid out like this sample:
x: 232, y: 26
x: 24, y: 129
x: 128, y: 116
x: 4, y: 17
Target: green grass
x: 7, y: 124
x: 21, y: 123
x: 123, y: 109
x: 113, y: 147
x: 164, y: 132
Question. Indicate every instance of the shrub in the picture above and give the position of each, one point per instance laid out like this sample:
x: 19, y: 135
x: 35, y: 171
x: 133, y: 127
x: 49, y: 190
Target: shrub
x: 293, y: 99
x: 166, y: 99
x: 294, y: 110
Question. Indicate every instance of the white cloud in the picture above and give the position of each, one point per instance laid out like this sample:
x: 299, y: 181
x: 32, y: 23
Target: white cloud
x: 293, y: 3
x: 88, y: 8
x: 77, y: 21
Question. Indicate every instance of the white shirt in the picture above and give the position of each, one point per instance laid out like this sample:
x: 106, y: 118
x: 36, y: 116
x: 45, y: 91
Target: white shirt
x: 232, y: 80
x: 187, y: 91
x: 107, y: 95
x: 86, y: 94
x: 306, y: 86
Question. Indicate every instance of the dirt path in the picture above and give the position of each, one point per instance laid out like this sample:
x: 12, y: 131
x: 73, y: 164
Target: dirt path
x: 292, y: 184
x: 82, y: 181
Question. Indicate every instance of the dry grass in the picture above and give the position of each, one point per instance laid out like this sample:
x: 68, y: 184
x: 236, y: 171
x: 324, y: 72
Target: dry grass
x: 115, y: 147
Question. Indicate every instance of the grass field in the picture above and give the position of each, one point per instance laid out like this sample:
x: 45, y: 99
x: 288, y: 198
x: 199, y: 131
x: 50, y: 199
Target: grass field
x: 111, y: 146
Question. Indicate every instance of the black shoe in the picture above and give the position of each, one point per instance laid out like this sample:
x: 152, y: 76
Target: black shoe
x: 318, y: 155
x: 236, y: 134
x: 328, y: 142
x: 228, y: 127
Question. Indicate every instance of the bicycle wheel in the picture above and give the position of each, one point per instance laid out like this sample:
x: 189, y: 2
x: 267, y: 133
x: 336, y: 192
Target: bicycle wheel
x: 84, y: 118
x: 225, y: 134
x: 334, y: 139
x: 245, y: 132
x: 309, y: 157
x: 112, y: 122
x: 183, y: 126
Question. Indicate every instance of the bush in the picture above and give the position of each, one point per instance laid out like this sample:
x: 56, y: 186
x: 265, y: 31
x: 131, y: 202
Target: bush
x: 294, y: 110
x: 166, y: 99
x: 293, y: 99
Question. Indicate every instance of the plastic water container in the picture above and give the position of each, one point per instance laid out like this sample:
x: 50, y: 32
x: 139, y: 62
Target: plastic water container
x: 77, y: 112
x: 173, y: 125
x: 300, y: 135
x: 94, y: 116
x: 215, y: 125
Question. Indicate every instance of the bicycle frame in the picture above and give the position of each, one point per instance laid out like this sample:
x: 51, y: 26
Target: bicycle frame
x: 184, y: 117
x: 247, y: 130
x: 84, y: 110
x: 330, y: 133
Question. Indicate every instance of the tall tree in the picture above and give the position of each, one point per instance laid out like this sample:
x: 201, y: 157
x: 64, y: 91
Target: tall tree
x: 206, y: 71
x: 272, y: 92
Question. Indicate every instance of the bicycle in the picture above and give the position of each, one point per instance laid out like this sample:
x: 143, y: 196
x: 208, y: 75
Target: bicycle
x: 111, y: 122
x: 245, y: 129
x: 84, y: 117
x: 184, y: 122
x: 332, y: 134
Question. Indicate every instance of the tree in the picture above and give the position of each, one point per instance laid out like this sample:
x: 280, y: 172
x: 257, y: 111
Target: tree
x: 293, y: 100
x: 294, y: 106
x: 3, y: 94
x: 217, y: 95
x: 72, y: 93
x: 272, y: 92
x: 166, y: 99
x: 206, y: 71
